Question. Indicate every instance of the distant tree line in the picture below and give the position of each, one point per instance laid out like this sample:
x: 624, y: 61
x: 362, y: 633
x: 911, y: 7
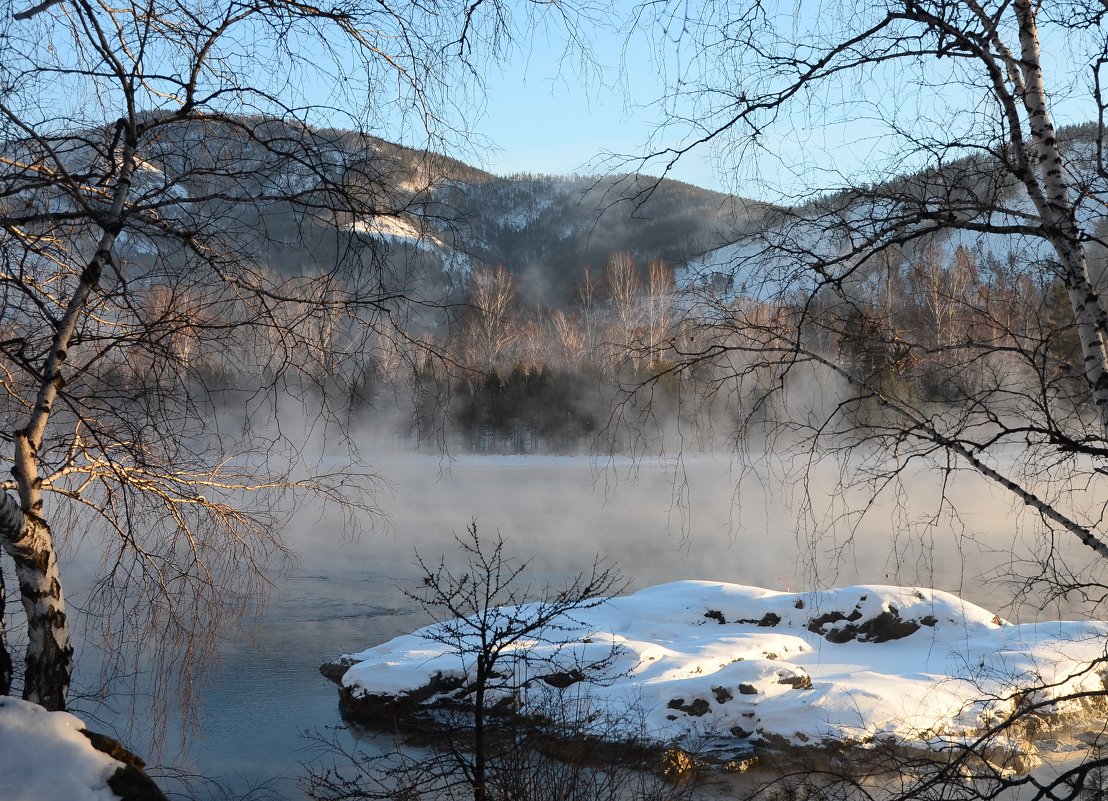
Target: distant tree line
x: 557, y: 380
x: 499, y: 374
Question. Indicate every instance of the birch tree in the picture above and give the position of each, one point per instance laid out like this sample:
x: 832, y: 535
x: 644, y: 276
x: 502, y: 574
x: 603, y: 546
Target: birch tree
x: 953, y: 105
x: 621, y: 276
x: 905, y: 130
x: 490, y: 330
x: 166, y: 167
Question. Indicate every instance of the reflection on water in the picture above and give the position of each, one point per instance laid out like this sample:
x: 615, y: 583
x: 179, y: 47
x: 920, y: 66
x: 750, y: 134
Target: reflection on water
x: 559, y: 513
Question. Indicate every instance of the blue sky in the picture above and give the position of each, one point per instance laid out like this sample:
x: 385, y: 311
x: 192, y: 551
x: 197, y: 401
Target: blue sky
x: 543, y: 116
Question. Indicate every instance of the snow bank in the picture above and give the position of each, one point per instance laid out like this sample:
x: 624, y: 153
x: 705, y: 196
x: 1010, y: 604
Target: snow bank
x: 44, y: 756
x: 695, y: 660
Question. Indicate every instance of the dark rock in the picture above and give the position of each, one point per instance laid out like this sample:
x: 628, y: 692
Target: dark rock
x: 884, y: 627
x: 841, y: 635
x: 723, y: 695
x: 887, y: 626
x: 337, y: 669
x: 802, y: 682
x: 699, y: 707
x: 928, y: 620
x: 765, y: 621
x: 739, y: 731
x: 696, y: 709
x: 816, y: 624
x: 799, y: 603
x: 113, y: 748
x: 747, y: 689
x: 565, y: 679
x: 387, y: 710
x: 129, y: 782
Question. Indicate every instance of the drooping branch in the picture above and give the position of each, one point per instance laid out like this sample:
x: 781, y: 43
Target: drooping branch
x: 34, y: 10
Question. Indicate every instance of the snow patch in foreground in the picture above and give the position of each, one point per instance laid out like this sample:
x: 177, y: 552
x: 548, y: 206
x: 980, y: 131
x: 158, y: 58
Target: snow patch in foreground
x: 696, y: 659
x: 43, y: 755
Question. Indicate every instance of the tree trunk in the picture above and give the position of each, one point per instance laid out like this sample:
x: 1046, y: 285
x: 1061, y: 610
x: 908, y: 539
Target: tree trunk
x: 49, y: 663
x: 1056, y: 208
x: 5, y: 656
x: 24, y: 534
x: 480, y: 786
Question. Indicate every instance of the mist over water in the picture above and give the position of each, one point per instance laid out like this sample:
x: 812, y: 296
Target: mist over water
x: 656, y: 521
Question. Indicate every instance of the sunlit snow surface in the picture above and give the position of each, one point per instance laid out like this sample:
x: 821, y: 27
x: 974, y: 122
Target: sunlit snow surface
x: 43, y: 756
x: 797, y: 667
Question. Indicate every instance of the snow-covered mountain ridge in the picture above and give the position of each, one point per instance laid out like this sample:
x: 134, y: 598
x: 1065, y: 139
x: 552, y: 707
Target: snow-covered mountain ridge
x: 287, y: 195
x: 970, y: 207
x: 439, y: 217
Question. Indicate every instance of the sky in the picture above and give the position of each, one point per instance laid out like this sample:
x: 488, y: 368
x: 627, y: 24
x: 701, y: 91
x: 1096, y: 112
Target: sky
x: 540, y: 115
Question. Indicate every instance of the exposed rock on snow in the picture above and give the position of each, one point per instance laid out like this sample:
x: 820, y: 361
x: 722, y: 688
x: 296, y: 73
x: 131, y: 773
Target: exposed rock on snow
x: 703, y: 661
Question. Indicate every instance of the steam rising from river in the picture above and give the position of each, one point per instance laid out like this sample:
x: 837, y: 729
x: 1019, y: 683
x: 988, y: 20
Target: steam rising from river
x: 660, y: 521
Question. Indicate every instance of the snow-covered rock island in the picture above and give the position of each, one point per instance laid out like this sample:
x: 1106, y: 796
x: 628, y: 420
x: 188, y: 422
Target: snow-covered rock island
x: 695, y: 661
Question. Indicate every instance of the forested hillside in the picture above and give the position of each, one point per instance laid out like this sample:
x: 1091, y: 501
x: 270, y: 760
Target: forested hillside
x: 541, y: 301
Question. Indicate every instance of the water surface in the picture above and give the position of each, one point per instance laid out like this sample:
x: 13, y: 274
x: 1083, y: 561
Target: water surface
x: 657, y: 523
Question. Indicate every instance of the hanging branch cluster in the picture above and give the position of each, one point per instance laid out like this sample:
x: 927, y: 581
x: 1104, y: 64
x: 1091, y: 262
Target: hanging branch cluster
x: 185, y: 255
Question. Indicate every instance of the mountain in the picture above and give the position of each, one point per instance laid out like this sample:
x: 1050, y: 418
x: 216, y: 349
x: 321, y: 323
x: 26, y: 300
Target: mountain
x: 547, y: 229
x: 430, y: 215
x: 969, y: 208
x: 433, y: 219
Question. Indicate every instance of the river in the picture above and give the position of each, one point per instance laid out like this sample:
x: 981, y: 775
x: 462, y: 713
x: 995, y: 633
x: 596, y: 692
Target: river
x: 655, y: 521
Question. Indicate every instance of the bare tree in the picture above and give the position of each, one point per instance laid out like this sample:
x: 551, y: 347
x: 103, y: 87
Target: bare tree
x: 588, y: 303
x: 994, y: 173
x: 830, y: 354
x: 569, y: 339
x: 163, y: 178
x: 509, y: 638
x: 659, y: 312
x: 626, y: 316
x: 490, y: 328
x: 485, y: 615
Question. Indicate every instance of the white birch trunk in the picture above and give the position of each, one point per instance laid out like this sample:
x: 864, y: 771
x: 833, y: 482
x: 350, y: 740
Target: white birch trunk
x: 1055, y: 207
x: 24, y: 533
x: 27, y: 539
